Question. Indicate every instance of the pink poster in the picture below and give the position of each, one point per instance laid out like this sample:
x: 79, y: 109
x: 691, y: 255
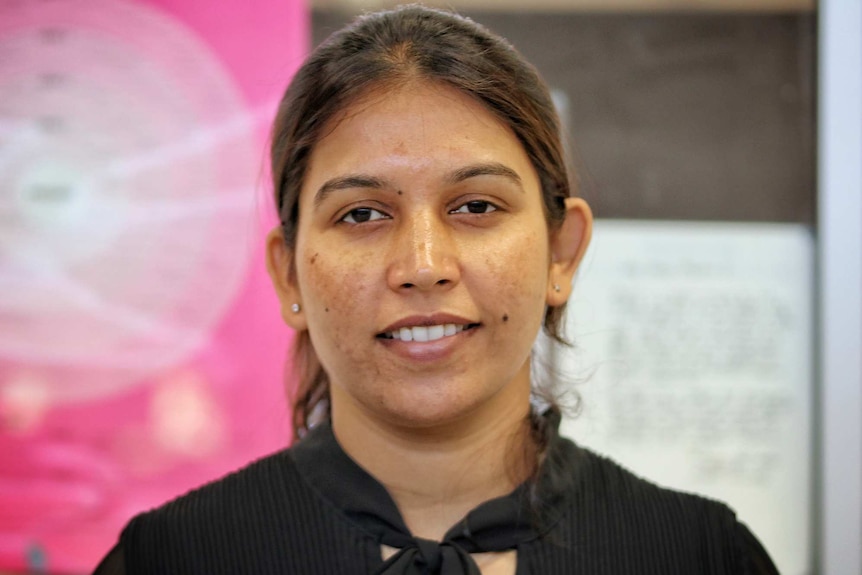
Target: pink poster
x: 141, y: 349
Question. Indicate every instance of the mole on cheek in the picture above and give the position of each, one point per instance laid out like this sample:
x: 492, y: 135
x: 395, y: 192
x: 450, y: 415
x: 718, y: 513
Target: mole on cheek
x: 505, y: 317
x: 400, y: 193
x: 326, y: 309
x: 313, y: 259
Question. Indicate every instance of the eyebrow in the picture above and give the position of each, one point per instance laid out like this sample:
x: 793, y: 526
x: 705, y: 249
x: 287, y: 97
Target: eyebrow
x: 353, y: 181
x: 488, y: 169
x: 346, y: 183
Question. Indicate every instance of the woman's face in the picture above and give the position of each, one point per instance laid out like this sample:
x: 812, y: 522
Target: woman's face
x: 422, y: 263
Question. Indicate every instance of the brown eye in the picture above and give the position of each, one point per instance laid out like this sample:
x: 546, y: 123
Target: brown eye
x: 475, y: 207
x: 362, y: 215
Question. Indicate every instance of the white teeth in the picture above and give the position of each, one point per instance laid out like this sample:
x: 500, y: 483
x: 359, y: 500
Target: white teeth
x: 426, y: 333
x: 435, y: 332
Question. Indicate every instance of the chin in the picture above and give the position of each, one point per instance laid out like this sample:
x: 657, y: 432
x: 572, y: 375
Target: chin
x: 418, y: 411
x: 421, y: 415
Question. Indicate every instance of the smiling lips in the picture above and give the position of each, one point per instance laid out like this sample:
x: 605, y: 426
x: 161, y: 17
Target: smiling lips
x: 424, y: 329
x: 424, y: 333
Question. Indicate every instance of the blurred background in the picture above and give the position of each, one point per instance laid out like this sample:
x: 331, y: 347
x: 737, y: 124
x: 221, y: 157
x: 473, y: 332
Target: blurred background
x: 716, y: 318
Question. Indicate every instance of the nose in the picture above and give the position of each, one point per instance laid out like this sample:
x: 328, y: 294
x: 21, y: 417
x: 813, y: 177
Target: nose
x: 423, y: 255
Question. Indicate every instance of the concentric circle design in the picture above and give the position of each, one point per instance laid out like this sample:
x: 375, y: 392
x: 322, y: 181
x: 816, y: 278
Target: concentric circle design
x: 127, y: 174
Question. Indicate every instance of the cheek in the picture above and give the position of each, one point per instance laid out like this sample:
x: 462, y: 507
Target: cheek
x: 332, y: 310
x: 520, y: 270
x: 324, y: 273
x: 515, y: 287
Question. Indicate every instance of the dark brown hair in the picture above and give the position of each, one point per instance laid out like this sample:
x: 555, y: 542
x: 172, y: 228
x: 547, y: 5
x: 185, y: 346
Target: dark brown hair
x: 389, y: 48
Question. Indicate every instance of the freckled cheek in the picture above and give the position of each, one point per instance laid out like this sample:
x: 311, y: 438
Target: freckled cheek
x: 518, y: 272
x: 514, y: 289
x: 336, y: 293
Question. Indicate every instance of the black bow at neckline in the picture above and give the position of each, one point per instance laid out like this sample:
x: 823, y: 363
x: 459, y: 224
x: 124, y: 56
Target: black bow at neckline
x: 500, y: 524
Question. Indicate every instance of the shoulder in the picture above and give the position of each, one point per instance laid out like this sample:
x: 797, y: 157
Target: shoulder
x: 255, y: 486
x: 608, y: 484
x: 622, y: 517
x: 246, y: 499
x: 263, y: 517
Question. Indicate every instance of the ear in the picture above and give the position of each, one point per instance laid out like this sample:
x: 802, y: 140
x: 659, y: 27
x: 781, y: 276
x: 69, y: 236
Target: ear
x: 568, y: 245
x: 282, y: 273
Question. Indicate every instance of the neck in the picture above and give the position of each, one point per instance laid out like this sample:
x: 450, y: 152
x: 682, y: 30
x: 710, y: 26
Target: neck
x: 437, y: 475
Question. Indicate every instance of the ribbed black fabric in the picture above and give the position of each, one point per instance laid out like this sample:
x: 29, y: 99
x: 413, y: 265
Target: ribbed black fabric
x: 270, y: 518
x: 499, y: 524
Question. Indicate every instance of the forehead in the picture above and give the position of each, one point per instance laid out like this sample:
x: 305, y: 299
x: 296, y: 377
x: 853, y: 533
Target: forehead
x: 419, y: 120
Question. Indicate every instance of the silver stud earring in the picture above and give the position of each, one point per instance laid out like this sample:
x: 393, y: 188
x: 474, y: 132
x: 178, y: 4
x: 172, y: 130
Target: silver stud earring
x: 295, y: 308
x: 557, y: 288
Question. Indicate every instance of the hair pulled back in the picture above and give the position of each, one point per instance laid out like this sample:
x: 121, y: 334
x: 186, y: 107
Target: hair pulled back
x: 388, y: 49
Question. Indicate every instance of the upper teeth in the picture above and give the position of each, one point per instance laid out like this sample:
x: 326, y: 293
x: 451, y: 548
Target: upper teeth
x: 425, y: 333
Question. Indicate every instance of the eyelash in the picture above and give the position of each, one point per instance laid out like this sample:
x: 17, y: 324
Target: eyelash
x: 352, y: 214
x: 484, y: 203
x: 369, y: 212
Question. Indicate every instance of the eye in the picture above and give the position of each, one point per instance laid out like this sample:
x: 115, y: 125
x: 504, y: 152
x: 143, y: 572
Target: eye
x: 475, y: 207
x: 362, y: 215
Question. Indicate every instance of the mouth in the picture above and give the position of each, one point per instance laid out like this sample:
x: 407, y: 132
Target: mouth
x: 426, y: 333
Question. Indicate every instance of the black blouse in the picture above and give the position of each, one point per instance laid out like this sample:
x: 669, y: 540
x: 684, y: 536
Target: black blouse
x: 311, y: 509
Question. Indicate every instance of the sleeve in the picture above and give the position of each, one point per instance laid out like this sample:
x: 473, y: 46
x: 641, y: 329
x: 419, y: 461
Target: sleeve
x: 113, y: 563
x: 756, y: 559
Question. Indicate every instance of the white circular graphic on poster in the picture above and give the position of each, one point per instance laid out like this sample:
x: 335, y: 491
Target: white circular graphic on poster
x: 127, y: 173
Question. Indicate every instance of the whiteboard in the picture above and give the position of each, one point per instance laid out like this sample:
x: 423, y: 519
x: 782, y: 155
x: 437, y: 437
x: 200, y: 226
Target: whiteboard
x: 693, y: 363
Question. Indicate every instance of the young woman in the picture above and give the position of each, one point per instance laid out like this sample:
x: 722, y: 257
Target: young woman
x: 429, y: 231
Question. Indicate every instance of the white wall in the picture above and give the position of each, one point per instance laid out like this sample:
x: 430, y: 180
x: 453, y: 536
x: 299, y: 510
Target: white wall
x: 840, y: 284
